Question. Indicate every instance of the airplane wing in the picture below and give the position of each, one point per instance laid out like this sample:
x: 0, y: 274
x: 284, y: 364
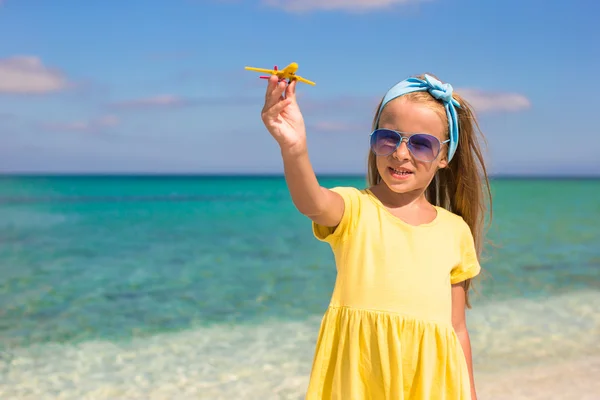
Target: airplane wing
x: 266, y: 71
x: 301, y: 79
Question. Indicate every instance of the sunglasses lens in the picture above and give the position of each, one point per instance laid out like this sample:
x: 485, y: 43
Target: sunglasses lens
x: 424, y: 147
x: 384, y: 142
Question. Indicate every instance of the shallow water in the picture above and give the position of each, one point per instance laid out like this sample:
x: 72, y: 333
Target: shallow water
x: 272, y: 360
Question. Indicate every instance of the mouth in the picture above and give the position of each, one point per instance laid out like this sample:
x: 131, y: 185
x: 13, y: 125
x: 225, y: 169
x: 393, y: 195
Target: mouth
x: 400, y: 173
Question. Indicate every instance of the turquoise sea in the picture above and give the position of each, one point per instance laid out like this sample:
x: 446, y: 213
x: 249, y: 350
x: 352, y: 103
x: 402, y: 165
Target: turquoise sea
x: 148, y: 287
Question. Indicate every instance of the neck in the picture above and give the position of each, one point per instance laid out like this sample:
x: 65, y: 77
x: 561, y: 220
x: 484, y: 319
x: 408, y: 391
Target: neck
x: 414, y: 198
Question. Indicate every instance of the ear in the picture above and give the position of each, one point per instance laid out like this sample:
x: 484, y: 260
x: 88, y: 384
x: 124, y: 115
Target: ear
x: 443, y: 163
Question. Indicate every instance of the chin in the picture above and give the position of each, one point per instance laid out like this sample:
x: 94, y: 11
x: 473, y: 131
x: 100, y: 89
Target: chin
x: 400, y: 188
x: 400, y: 185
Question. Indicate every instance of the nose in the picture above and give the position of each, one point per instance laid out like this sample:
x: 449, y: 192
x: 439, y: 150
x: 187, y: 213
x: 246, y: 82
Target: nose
x: 402, y: 152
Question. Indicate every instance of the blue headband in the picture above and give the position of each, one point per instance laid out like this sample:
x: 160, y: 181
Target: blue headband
x: 439, y: 90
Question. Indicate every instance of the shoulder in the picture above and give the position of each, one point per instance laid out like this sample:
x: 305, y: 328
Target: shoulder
x: 455, y: 227
x: 353, y: 196
x: 456, y: 221
x: 349, y: 191
x: 354, y: 199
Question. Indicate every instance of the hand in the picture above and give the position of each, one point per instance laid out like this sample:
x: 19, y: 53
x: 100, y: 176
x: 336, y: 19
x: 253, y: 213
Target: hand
x: 282, y: 117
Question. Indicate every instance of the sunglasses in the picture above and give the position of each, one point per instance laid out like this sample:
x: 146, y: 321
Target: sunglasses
x: 422, y: 146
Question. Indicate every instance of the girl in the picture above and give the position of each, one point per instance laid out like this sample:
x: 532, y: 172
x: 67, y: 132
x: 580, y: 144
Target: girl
x: 405, y: 248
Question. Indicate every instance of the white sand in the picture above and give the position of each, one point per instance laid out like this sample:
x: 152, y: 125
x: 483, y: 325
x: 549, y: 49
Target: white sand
x: 572, y: 380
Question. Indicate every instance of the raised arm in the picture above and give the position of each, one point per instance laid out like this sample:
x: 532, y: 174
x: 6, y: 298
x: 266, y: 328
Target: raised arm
x: 316, y: 202
x: 284, y: 121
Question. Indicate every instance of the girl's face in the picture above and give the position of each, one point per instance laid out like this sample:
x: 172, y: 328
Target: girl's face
x: 401, y: 171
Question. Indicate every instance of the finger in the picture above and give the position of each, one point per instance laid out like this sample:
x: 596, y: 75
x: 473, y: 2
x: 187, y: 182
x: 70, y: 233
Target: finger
x: 275, y: 95
x: 290, y: 91
x: 275, y: 110
x: 270, y: 86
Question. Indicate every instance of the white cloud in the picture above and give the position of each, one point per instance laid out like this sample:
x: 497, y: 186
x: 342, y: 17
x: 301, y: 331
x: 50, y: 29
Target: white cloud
x: 483, y: 101
x: 336, y: 126
x: 330, y: 5
x: 28, y: 75
x: 156, y: 101
x: 92, y: 125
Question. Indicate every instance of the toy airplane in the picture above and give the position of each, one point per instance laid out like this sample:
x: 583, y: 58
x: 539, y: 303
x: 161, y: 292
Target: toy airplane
x: 288, y: 72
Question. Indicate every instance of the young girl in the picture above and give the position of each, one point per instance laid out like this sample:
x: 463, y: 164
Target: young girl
x: 405, y: 248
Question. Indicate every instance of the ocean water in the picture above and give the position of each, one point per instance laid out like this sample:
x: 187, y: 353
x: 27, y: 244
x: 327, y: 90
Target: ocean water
x: 213, y: 287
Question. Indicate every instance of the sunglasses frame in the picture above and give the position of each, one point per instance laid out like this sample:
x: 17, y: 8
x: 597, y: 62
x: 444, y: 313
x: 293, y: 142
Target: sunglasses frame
x: 407, y: 136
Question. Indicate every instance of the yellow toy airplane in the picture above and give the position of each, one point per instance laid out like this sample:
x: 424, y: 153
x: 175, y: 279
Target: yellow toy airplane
x: 288, y: 72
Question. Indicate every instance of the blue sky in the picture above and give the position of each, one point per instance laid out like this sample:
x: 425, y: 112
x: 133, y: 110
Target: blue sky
x: 160, y: 87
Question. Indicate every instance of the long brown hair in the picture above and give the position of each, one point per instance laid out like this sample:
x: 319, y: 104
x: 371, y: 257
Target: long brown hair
x: 463, y: 186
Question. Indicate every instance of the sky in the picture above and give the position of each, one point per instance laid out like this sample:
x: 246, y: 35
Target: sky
x: 160, y: 87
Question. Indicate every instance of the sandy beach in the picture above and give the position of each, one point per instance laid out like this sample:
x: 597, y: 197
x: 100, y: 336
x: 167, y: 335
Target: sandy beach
x: 571, y: 380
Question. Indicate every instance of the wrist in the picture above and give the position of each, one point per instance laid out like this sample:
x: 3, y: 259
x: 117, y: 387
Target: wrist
x: 295, y: 151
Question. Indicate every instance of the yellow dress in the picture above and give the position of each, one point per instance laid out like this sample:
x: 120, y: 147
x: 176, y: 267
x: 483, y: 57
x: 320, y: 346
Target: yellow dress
x: 387, y: 333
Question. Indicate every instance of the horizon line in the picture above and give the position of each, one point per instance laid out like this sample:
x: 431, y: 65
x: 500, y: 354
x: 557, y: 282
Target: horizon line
x: 257, y: 175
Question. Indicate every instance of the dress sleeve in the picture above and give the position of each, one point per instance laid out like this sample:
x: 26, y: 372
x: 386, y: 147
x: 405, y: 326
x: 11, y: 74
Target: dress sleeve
x: 333, y: 234
x: 468, y: 266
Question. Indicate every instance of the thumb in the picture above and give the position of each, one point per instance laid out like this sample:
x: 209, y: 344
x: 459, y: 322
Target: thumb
x: 290, y: 90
